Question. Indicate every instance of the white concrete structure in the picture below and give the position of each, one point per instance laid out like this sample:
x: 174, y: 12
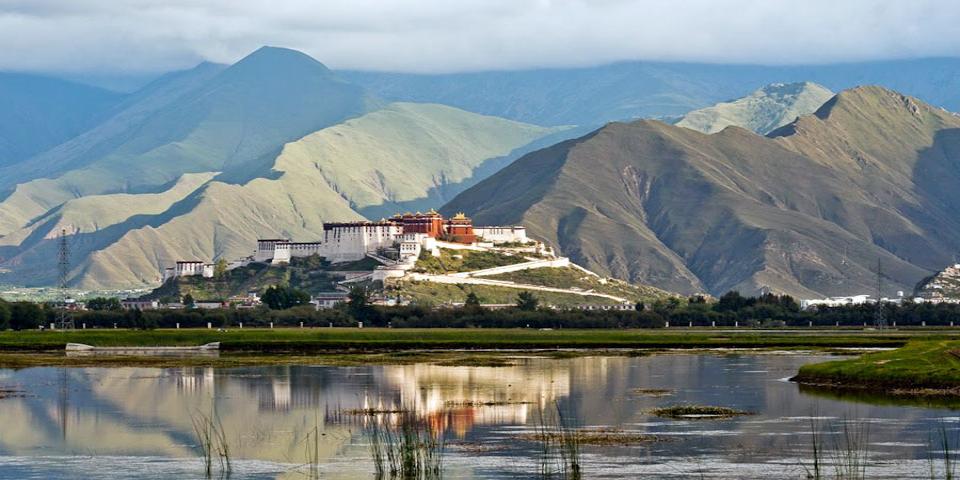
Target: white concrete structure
x: 189, y: 268
x: 835, y: 301
x: 514, y: 234
x: 347, y: 242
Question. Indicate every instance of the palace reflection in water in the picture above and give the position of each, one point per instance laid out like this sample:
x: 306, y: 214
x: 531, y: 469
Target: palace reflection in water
x: 267, y: 412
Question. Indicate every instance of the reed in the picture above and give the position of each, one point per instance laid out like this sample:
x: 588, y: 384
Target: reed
x: 945, y: 451
x: 312, y: 449
x: 405, y: 447
x: 212, y: 441
x: 559, y: 440
x: 850, y: 452
x: 847, y: 452
x: 815, y: 472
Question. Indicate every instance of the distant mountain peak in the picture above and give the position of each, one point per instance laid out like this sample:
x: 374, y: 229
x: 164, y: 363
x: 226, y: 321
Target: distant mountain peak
x: 763, y: 111
x: 277, y: 60
x: 872, y: 98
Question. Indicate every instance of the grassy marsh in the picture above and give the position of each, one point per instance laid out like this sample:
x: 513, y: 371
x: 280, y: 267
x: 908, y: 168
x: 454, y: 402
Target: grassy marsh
x: 697, y: 412
x: 924, y: 367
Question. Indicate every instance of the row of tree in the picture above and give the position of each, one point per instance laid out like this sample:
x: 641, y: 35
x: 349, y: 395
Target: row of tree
x: 288, y: 307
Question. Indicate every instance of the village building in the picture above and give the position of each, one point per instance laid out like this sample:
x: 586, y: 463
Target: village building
x: 328, y: 300
x: 138, y: 304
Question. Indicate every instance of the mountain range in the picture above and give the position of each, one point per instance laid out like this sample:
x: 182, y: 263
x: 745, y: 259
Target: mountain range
x: 807, y: 210
x: 200, y: 162
x: 630, y: 90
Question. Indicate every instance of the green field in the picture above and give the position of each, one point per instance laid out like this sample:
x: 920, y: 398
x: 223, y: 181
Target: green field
x: 930, y: 366
x: 474, y: 346
x: 387, y: 339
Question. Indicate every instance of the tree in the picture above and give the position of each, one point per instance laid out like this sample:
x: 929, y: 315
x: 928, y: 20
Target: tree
x: 527, y: 301
x: 472, y: 301
x: 101, y: 304
x: 25, y: 315
x: 280, y: 297
x: 4, y: 315
x: 220, y: 269
x: 358, y: 303
x: 732, y: 301
x: 188, y: 301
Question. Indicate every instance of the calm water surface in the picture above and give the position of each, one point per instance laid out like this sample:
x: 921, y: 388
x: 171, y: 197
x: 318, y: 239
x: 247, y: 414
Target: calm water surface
x: 136, y: 422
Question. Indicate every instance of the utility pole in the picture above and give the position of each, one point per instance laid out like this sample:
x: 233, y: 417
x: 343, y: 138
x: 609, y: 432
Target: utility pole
x: 879, y: 319
x: 64, y: 319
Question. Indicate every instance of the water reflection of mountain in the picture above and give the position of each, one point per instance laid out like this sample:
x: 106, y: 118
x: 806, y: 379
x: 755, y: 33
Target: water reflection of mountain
x: 269, y: 411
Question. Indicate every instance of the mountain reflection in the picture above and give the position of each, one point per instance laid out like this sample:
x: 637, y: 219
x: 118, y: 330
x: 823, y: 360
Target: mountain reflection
x: 266, y: 412
x: 270, y: 413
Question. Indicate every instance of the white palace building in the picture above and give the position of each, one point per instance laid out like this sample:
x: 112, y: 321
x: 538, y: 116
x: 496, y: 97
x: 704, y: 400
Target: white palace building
x: 407, y: 235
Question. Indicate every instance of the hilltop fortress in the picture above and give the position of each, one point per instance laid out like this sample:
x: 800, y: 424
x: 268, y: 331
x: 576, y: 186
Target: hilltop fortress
x: 398, y: 240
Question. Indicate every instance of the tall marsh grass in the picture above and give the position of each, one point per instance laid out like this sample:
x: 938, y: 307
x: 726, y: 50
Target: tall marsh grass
x: 405, y: 447
x: 943, y: 450
x: 845, y: 452
x: 559, y: 439
x: 212, y: 442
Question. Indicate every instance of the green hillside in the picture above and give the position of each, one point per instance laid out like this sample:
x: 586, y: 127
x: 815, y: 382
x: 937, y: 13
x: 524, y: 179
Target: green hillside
x: 808, y: 211
x: 397, y: 157
x: 575, y: 278
x: 408, y: 156
x: 311, y: 274
x: 762, y: 111
x: 442, y: 293
x: 233, y: 120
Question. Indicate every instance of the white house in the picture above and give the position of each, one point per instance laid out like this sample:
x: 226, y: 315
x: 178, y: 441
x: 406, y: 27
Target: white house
x: 514, y: 234
x: 326, y: 300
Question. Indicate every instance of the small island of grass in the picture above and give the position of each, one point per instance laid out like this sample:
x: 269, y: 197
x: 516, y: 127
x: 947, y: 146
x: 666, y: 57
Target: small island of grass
x: 697, y: 412
x: 922, y: 367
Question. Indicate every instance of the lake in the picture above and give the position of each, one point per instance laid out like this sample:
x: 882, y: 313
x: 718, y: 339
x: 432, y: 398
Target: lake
x: 140, y: 422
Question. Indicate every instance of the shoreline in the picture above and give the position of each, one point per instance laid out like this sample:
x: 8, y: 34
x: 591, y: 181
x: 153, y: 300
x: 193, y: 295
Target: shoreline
x: 470, y: 346
x: 442, y: 357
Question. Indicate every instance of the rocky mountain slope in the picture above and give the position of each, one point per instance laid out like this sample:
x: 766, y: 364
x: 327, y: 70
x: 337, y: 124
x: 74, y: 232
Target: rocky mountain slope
x: 762, y: 111
x: 941, y: 286
x: 806, y: 211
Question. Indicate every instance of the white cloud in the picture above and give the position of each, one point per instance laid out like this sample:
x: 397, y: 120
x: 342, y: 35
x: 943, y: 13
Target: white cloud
x: 459, y: 35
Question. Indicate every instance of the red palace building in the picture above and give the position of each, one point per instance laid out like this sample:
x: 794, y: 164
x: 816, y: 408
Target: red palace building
x: 458, y: 229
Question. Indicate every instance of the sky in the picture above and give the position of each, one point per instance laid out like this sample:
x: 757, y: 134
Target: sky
x: 112, y: 36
